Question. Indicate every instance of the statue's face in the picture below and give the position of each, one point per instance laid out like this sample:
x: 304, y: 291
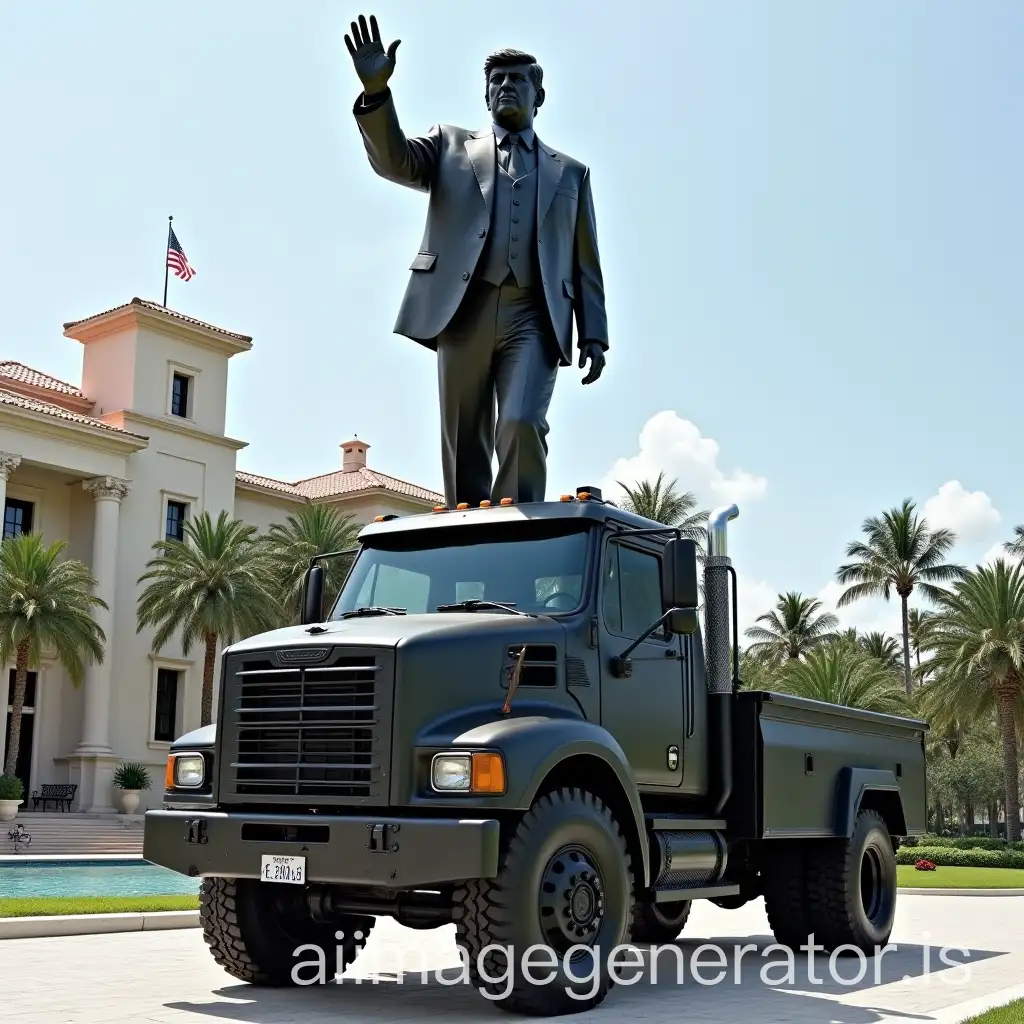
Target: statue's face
x: 512, y: 97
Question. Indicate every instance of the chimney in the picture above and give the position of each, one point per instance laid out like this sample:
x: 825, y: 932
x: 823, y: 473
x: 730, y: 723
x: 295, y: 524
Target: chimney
x: 353, y: 455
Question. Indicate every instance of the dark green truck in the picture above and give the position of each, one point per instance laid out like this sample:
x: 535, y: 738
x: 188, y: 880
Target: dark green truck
x: 514, y: 719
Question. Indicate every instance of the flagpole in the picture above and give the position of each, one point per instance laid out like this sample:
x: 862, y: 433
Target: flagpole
x: 166, y: 263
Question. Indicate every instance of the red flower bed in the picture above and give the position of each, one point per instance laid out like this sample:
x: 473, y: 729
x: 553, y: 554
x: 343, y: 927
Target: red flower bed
x: 924, y: 865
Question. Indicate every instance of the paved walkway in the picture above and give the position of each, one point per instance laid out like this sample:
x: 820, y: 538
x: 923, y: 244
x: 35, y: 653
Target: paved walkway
x: 170, y: 977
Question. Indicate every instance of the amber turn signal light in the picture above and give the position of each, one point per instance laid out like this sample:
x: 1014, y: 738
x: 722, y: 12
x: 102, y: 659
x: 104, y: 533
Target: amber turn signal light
x: 169, y: 773
x: 488, y: 773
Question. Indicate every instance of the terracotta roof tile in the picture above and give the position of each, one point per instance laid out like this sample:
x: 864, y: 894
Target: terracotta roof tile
x: 36, y: 379
x: 32, y: 405
x: 339, y: 482
x: 157, y: 308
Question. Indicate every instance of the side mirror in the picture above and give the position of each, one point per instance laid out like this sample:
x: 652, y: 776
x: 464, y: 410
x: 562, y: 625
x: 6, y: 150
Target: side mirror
x: 679, y: 590
x: 313, y: 596
x: 681, y: 621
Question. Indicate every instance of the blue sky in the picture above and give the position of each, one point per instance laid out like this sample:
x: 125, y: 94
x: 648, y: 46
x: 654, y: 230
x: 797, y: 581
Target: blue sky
x: 810, y: 219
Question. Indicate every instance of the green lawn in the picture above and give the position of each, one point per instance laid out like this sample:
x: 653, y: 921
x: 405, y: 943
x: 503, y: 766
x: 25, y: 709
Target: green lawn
x: 960, y: 878
x: 45, y: 906
x: 1012, y: 1013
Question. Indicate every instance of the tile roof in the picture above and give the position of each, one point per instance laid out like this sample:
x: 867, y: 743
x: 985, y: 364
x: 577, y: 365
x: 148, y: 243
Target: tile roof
x: 157, y: 308
x: 36, y: 379
x: 328, y: 485
x: 33, y: 405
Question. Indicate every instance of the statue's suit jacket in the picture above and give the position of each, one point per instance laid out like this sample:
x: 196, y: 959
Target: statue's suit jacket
x: 457, y: 168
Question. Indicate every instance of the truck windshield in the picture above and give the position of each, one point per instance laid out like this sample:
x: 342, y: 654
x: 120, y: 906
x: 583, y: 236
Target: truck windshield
x: 540, y: 574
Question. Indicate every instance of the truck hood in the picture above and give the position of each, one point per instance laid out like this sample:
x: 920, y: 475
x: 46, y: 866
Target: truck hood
x: 393, y: 630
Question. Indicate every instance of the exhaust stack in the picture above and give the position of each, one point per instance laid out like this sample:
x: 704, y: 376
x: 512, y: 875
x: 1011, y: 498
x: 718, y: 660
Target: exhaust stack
x: 718, y: 642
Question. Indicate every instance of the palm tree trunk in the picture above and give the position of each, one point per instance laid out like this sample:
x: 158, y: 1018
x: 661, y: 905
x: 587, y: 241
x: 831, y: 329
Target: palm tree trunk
x: 1007, y: 726
x: 209, y: 667
x: 17, y: 703
x: 906, y: 648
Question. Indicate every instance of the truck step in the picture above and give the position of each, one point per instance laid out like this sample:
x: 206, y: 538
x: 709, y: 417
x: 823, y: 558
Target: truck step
x: 676, y: 823
x: 708, y: 892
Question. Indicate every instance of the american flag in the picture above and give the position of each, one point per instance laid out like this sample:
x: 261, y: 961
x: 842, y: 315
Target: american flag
x: 176, y: 258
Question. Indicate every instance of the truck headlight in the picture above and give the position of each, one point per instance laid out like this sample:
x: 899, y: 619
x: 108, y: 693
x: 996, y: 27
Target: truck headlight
x: 185, y: 771
x: 480, y: 772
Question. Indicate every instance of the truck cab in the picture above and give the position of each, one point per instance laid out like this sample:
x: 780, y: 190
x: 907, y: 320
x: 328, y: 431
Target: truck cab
x: 527, y: 720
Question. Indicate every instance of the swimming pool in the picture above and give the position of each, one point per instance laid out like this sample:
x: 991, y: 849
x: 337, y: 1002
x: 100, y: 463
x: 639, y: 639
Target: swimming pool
x: 92, y: 878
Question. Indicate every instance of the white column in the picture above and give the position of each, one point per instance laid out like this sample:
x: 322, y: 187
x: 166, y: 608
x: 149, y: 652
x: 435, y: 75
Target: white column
x: 96, y: 759
x: 8, y: 464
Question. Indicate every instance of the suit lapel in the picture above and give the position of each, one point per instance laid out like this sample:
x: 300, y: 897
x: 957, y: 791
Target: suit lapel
x: 480, y: 148
x: 549, y: 169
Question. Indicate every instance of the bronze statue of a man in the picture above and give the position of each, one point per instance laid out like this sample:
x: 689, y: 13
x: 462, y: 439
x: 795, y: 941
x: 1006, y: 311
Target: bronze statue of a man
x: 508, y: 256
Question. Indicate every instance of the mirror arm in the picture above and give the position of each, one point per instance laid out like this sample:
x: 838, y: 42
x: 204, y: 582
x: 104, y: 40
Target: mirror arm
x: 621, y: 665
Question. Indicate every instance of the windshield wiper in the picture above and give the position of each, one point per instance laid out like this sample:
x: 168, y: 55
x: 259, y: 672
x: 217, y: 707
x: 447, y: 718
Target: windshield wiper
x: 475, y: 605
x: 372, y: 609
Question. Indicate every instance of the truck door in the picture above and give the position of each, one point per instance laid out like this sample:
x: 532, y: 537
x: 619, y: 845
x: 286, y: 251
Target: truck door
x: 643, y: 711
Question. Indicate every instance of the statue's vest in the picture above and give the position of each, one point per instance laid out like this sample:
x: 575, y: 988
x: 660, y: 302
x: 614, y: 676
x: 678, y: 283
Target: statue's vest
x: 512, y: 246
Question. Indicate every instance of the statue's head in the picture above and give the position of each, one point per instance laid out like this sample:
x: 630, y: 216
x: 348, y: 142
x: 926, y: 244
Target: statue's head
x: 514, y: 88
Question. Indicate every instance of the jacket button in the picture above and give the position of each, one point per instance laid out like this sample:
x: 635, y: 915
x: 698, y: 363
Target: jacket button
x: 480, y: 234
x: 465, y: 275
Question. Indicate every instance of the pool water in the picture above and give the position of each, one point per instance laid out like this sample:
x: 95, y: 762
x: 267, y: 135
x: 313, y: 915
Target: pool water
x: 92, y: 878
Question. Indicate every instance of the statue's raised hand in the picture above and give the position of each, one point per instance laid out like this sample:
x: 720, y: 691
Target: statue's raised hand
x: 373, y: 64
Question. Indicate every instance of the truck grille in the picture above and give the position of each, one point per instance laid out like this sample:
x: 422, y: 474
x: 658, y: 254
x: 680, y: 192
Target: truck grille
x: 316, y: 731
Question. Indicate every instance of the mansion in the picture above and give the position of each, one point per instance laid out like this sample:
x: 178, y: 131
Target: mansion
x: 111, y: 467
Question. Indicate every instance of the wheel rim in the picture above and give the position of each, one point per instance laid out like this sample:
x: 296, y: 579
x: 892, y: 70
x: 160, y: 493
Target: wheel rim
x: 572, y: 904
x: 873, y: 891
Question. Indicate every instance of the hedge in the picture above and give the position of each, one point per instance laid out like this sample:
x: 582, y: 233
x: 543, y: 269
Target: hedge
x: 949, y: 857
x: 962, y: 842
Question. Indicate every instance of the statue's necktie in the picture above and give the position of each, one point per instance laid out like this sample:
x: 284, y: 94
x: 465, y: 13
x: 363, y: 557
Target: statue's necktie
x: 514, y: 163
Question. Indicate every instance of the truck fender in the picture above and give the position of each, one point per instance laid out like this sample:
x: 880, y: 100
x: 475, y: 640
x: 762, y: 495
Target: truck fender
x: 579, y: 738
x: 535, y: 745
x: 877, y: 787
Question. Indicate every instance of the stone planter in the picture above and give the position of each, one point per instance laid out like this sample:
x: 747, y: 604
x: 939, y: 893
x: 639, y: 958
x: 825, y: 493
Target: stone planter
x: 128, y: 800
x: 9, y: 809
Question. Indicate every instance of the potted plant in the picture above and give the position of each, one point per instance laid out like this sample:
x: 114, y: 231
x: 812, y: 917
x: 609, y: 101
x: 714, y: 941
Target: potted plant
x: 12, y: 791
x: 130, y: 780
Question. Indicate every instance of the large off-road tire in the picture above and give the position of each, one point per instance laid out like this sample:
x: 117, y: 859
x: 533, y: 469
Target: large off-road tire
x: 784, y: 882
x: 253, y: 930
x: 565, y: 880
x: 659, y: 923
x: 851, y: 887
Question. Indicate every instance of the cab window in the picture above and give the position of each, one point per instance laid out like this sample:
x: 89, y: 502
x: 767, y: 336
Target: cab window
x: 631, y: 591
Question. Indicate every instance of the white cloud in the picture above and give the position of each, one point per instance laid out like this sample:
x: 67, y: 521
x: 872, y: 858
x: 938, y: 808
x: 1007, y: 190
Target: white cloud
x: 969, y: 514
x: 675, y: 446
x: 755, y: 598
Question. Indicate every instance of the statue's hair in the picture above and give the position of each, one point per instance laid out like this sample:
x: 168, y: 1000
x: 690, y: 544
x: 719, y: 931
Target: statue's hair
x: 506, y: 58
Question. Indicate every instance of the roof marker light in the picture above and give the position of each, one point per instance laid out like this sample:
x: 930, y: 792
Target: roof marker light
x: 440, y: 508
x: 507, y: 501
x: 462, y: 506
x: 485, y: 504
x: 568, y: 497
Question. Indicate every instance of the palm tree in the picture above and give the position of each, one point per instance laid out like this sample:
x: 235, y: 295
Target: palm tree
x: 977, y: 646
x: 792, y: 628
x: 1016, y: 546
x: 899, y: 553
x: 882, y: 648
x: 213, y: 586
x: 840, y: 674
x: 313, y: 530
x: 662, y: 503
x: 46, y: 603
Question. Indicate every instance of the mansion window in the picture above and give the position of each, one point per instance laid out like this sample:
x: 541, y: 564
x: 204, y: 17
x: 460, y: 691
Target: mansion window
x: 165, y: 720
x: 174, y: 527
x: 17, y: 517
x: 180, y: 387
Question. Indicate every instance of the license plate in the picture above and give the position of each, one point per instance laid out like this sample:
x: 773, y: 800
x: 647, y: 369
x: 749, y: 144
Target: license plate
x: 283, y: 869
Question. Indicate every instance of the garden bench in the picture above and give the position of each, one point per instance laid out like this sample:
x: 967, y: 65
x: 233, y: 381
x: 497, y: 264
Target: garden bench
x: 59, y: 793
